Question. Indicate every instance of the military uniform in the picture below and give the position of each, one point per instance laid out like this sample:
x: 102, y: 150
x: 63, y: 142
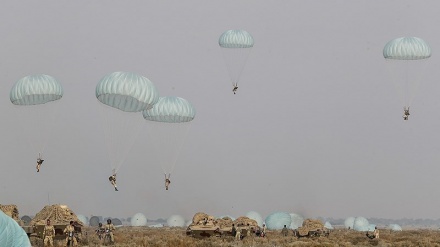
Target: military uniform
x: 70, y: 231
x: 110, y: 228
x: 49, y: 233
x: 284, y: 232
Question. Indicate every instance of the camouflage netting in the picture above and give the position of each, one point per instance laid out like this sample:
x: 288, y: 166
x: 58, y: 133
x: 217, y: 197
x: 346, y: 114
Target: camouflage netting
x: 225, y: 222
x: 244, y: 221
x: 310, y: 225
x: 58, y: 214
x: 10, y: 210
x: 198, y: 218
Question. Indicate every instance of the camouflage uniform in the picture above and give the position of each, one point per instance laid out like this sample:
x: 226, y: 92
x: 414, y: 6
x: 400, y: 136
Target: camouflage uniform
x: 49, y: 232
x: 284, y: 232
x: 70, y: 231
x: 110, y: 227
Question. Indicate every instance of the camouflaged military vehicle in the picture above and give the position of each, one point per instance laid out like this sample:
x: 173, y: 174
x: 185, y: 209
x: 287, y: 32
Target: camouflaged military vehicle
x: 311, y: 228
x: 205, y: 226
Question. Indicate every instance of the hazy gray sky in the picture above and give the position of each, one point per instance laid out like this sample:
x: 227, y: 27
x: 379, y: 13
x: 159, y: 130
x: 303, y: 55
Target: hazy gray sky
x: 315, y: 127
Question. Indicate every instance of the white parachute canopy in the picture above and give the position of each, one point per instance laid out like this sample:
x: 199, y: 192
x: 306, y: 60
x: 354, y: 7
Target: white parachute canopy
x: 297, y: 221
x: 236, y: 46
x: 122, y: 95
x: 361, y: 224
x: 371, y: 227
x: 138, y: 219
x: 11, y: 234
x: 169, y: 121
x: 255, y: 216
x: 348, y: 223
x: 278, y: 220
x: 176, y: 221
x: 36, y: 98
x: 83, y: 219
x: 328, y: 225
x: 406, y: 58
x: 395, y: 227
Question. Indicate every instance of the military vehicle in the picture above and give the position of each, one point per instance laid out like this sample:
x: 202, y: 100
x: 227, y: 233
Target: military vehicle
x: 205, y: 226
x: 311, y: 228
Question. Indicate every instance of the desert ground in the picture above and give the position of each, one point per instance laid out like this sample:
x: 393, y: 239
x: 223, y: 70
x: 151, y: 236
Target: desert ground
x: 176, y: 237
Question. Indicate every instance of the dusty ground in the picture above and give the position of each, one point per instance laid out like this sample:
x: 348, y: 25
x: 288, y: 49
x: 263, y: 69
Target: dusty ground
x: 176, y: 237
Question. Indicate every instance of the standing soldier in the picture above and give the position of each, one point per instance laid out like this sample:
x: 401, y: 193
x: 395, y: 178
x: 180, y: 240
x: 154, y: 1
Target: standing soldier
x: 284, y: 232
x: 48, y: 233
x: 70, y: 232
x: 100, y: 231
x: 110, y: 228
x: 263, y: 232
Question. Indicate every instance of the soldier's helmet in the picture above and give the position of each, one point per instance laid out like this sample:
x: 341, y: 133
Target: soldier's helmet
x: 109, y: 221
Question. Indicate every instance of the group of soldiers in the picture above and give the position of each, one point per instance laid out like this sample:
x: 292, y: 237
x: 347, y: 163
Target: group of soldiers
x: 112, y: 178
x: 249, y: 231
x: 71, y: 238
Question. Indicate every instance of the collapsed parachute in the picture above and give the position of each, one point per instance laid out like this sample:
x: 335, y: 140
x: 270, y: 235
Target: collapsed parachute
x: 236, y: 46
x: 122, y: 94
x: 406, y: 57
x: 170, y: 120
x: 36, y: 98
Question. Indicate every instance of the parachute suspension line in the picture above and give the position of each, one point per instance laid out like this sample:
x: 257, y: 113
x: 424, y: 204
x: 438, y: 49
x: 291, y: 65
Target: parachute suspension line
x: 180, y: 145
x: 235, y: 60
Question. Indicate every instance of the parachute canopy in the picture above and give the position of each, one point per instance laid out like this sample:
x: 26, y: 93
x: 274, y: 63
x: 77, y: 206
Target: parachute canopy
x: 127, y: 91
x: 395, y: 227
x: 278, y: 220
x: 138, y: 219
x: 407, y: 48
x: 361, y: 224
x: 171, y: 110
x: 35, y: 90
x: 11, y: 234
x: 348, y: 223
x: 176, y: 221
x: 236, y: 39
x: 255, y: 216
x: 297, y: 221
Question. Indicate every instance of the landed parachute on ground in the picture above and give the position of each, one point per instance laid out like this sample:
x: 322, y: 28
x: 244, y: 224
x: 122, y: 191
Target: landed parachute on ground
x: 138, y: 219
x: 278, y: 220
x: 169, y: 121
x: 406, y: 58
x: 361, y: 224
x: 348, y: 223
x: 255, y: 216
x: 297, y: 221
x: 176, y: 221
x: 122, y: 95
x: 395, y: 227
x: 11, y: 234
x: 36, y: 98
x: 236, y: 46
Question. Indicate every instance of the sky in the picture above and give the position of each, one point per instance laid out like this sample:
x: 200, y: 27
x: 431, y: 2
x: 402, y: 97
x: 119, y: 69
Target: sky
x: 315, y: 128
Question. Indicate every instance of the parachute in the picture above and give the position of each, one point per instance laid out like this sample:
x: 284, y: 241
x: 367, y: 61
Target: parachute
x: 406, y: 58
x: 176, y: 221
x: 36, y: 98
x: 236, y: 46
x: 277, y: 220
x: 255, y: 216
x: 170, y: 120
x: 122, y: 95
x: 138, y: 219
x: 11, y: 234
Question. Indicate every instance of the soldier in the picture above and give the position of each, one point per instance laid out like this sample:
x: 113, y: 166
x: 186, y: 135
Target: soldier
x: 406, y: 113
x: 235, y: 87
x: 48, y: 234
x: 233, y: 230
x: 376, y: 232
x: 39, y: 162
x: 284, y: 232
x: 100, y: 231
x: 109, y: 228
x: 263, y: 232
x: 167, y: 181
x: 70, y: 232
x: 238, y: 234
x: 112, y: 180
